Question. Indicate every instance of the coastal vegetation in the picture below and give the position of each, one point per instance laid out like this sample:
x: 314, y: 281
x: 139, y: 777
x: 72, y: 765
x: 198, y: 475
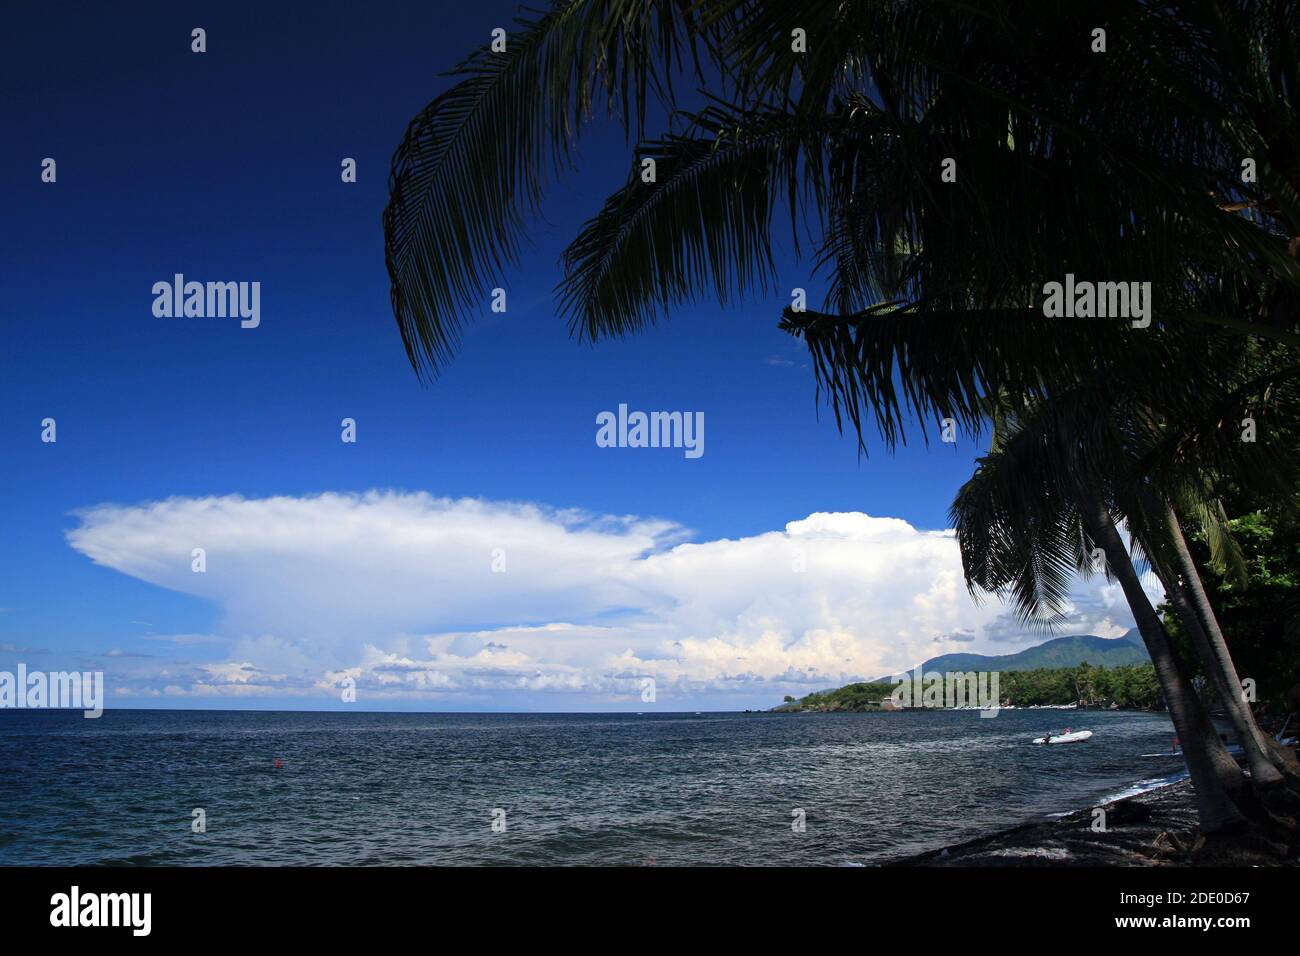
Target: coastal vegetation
x: 1257, y: 596
x: 949, y: 164
x: 1132, y: 687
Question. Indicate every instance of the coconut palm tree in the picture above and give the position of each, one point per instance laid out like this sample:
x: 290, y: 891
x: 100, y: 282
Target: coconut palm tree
x: 1167, y: 551
x: 841, y: 117
x: 1059, y: 476
x: 1027, y: 522
x: 848, y: 122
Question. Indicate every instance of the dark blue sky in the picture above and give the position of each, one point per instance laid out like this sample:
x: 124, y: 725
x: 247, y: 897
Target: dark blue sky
x: 225, y: 166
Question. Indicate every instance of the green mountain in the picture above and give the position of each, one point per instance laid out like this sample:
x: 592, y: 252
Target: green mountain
x: 1120, y: 674
x: 1058, y: 652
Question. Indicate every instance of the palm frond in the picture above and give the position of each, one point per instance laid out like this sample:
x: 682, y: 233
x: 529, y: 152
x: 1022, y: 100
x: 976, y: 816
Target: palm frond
x: 896, y: 361
x: 703, y: 225
x: 1018, y: 528
x: 473, y: 163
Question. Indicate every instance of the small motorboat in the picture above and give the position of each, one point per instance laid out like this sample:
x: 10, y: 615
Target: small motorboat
x: 1070, y: 738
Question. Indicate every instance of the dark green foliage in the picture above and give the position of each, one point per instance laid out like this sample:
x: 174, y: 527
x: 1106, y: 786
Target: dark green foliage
x: 1118, y: 166
x: 1132, y: 686
x: 1259, y: 611
x: 850, y: 697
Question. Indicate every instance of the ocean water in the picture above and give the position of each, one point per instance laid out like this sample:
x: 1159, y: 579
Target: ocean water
x: 614, y: 789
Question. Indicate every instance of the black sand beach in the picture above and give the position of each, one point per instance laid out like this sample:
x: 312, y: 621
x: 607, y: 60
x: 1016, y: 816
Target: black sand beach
x: 1156, y: 828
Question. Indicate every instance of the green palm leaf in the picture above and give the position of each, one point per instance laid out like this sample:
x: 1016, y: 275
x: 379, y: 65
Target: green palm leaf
x: 473, y: 163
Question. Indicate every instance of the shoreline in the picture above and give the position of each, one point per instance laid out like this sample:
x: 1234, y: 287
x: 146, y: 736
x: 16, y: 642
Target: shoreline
x: 1138, y: 833
x: 1156, y: 827
x: 1151, y: 822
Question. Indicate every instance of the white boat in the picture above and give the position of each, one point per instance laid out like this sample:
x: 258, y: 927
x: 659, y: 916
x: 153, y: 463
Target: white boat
x: 1073, y: 738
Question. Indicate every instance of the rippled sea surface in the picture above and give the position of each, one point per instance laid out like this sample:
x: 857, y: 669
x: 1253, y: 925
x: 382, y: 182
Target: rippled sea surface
x: 420, y: 789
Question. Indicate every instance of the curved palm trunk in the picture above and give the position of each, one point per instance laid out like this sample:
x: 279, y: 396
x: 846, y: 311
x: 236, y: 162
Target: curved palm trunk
x: 1215, y: 807
x: 1216, y: 650
x: 1262, y: 771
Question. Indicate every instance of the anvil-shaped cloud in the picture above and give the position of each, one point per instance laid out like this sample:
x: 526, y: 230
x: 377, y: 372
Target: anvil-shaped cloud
x: 464, y: 599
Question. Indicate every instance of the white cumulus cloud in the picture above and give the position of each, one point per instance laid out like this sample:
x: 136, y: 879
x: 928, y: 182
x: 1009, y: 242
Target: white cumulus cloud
x: 445, y: 600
